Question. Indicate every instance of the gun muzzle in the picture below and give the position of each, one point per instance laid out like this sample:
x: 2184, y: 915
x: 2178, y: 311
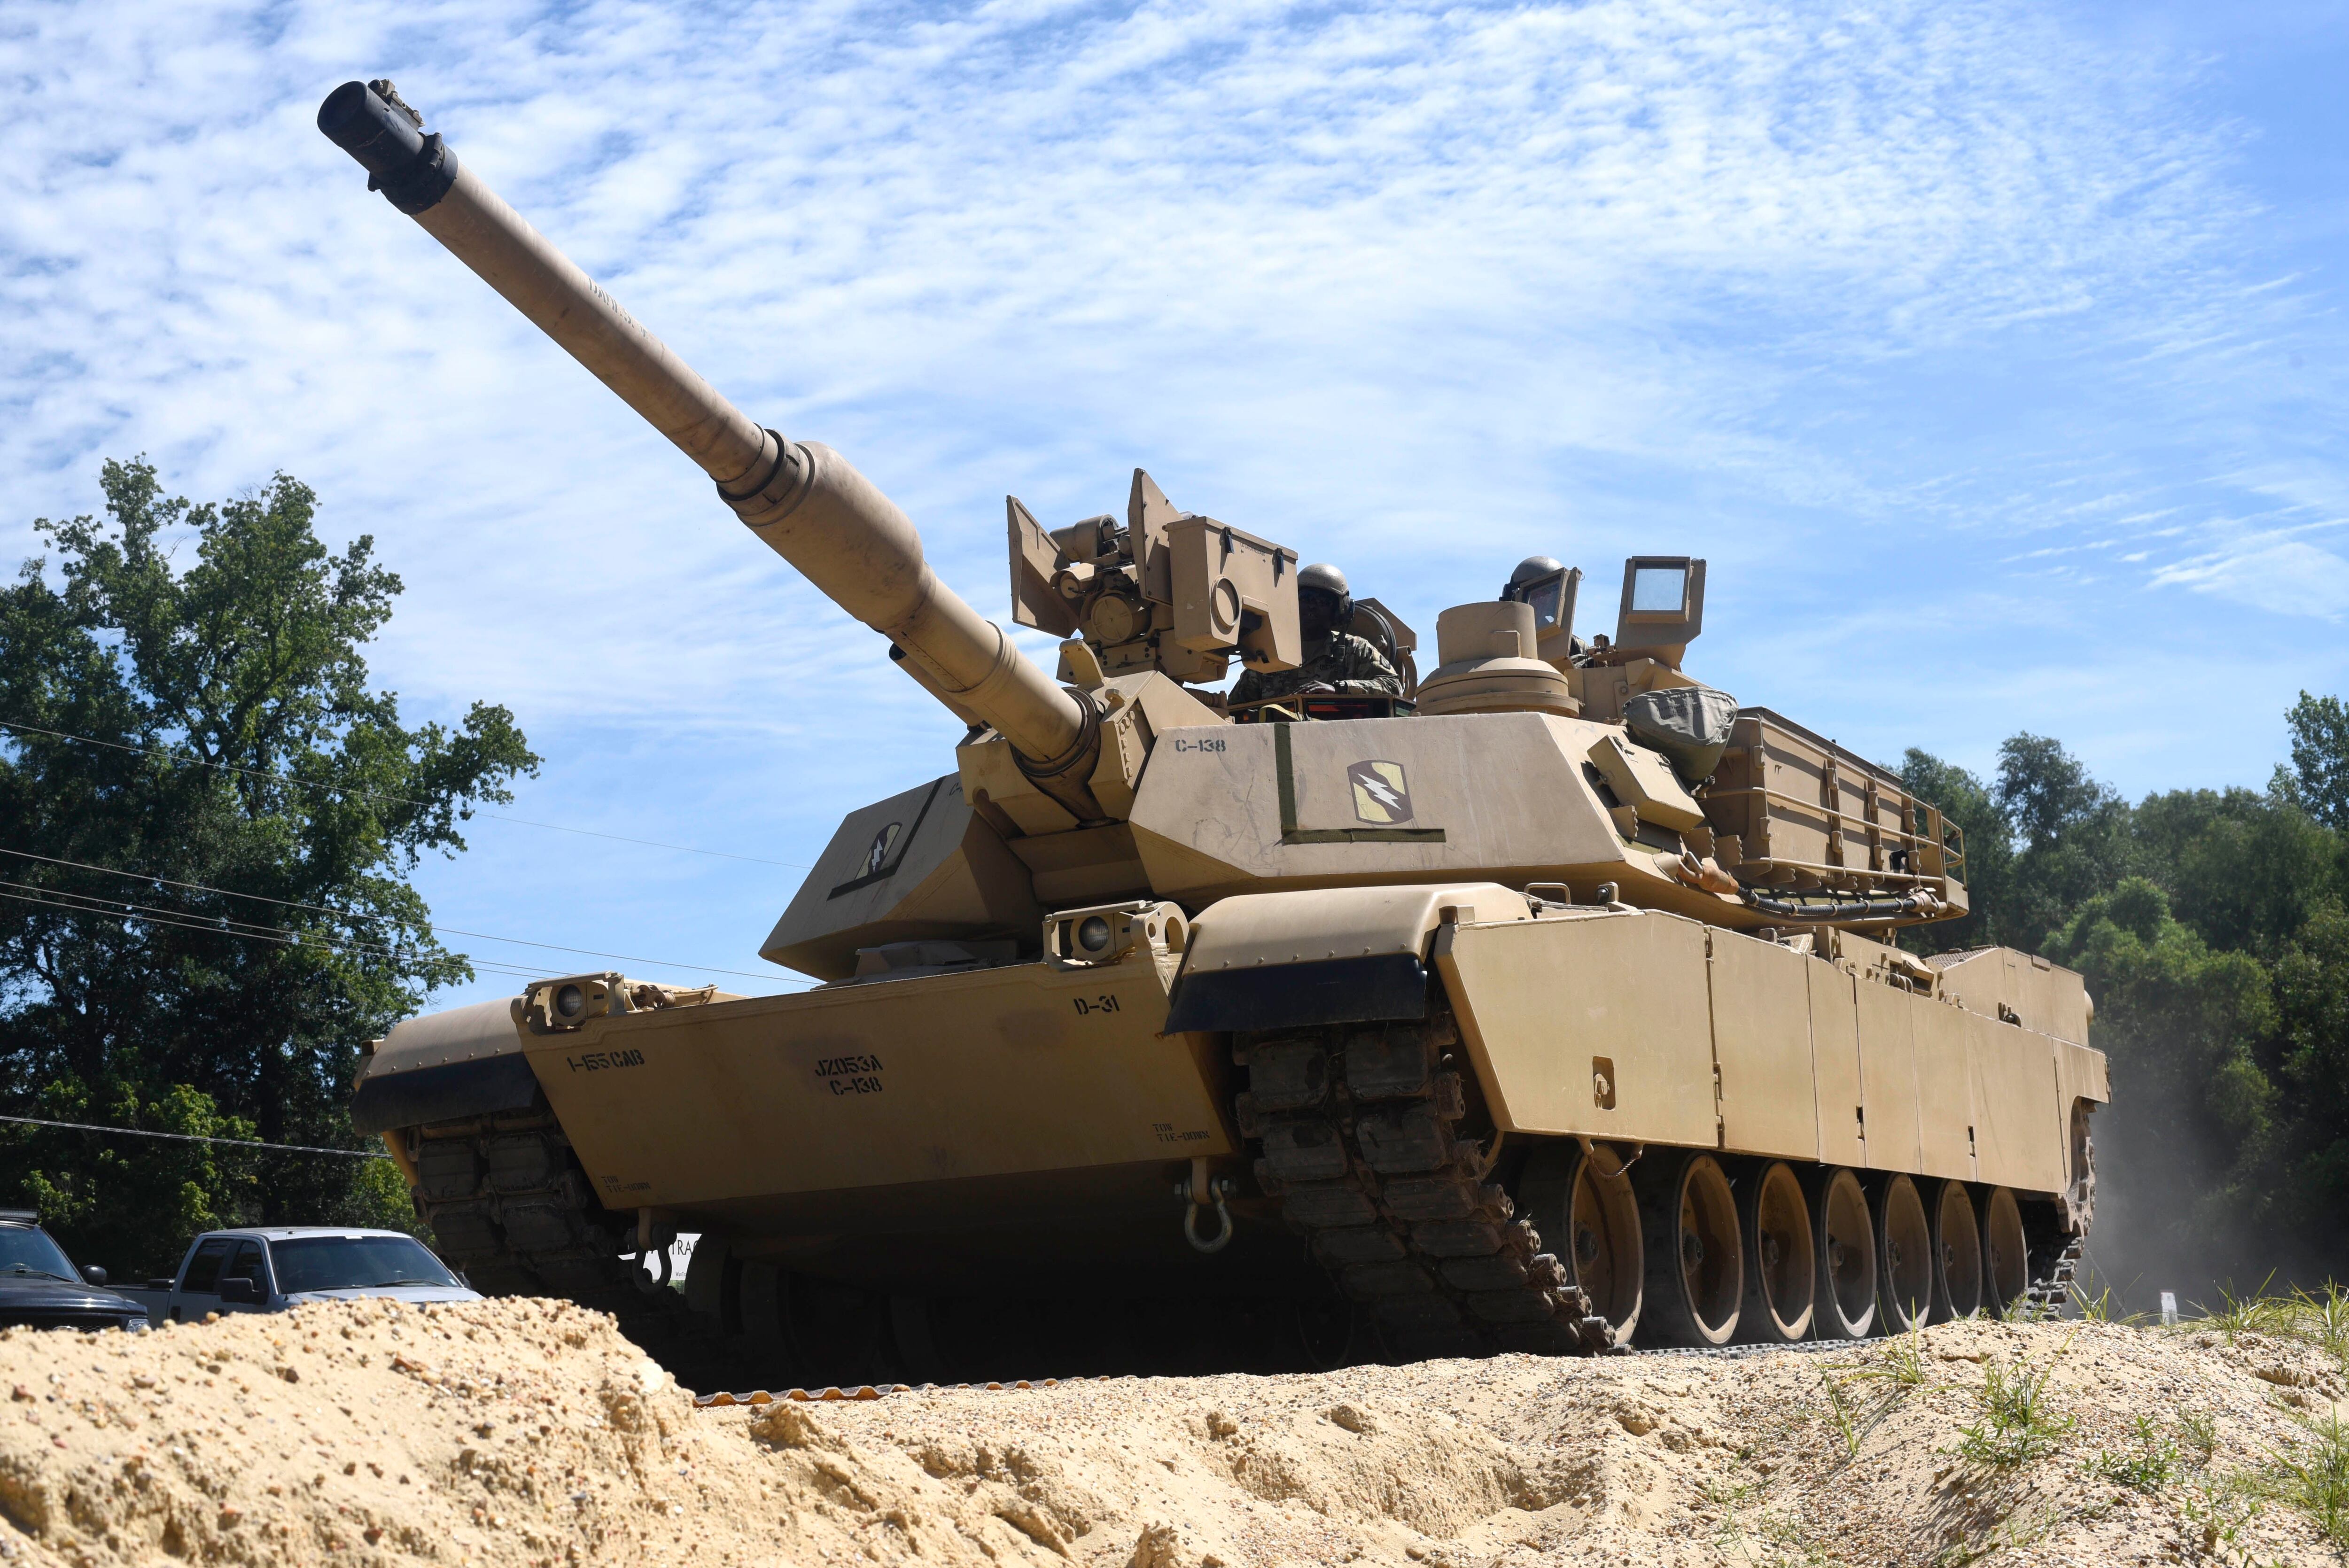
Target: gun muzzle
x: 807, y: 503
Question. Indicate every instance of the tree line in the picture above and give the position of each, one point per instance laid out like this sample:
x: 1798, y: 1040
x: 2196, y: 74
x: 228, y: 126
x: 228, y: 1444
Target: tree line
x: 2213, y: 927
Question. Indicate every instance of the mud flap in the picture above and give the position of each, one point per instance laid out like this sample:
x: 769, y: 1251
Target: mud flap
x: 447, y: 1093
x: 1384, y: 985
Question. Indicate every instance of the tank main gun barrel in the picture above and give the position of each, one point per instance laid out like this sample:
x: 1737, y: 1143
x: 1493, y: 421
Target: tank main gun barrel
x: 801, y: 497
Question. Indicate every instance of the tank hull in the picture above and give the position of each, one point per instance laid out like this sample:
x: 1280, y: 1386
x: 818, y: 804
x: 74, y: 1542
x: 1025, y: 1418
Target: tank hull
x: 1036, y: 1130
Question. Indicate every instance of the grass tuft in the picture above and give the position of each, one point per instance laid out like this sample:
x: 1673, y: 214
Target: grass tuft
x: 2152, y: 1464
x: 2256, y: 1313
x: 2313, y: 1476
x: 1903, y: 1363
x: 1844, y: 1414
x: 2199, y: 1431
x: 2019, y: 1421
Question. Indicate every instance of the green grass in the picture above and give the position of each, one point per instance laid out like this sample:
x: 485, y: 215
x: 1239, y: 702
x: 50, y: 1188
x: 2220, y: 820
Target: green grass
x: 2019, y: 1421
x: 1902, y: 1362
x: 2313, y: 1476
x: 2223, y: 1509
x: 2319, y: 1317
x: 2151, y: 1464
x: 2235, y: 1316
x: 2322, y: 1320
x: 1843, y: 1415
x: 2198, y: 1431
x: 2101, y: 1308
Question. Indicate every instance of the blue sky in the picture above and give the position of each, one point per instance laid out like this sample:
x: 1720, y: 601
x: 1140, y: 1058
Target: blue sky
x: 1991, y: 353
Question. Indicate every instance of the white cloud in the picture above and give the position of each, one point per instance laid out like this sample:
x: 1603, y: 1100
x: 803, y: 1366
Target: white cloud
x: 2290, y: 578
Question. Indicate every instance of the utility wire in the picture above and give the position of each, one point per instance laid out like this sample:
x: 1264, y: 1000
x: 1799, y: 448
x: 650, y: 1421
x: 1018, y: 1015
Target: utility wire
x: 192, y: 1138
x: 274, y: 935
x: 354, y: 915
x: 376, y: 795
x: 285, y: 936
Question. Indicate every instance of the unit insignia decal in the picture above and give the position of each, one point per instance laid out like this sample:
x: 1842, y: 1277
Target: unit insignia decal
x: 1381, y: 795
x: 878, y: 855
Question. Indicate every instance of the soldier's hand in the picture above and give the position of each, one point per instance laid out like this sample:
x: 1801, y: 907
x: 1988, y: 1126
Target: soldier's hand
x: 1317, y: 688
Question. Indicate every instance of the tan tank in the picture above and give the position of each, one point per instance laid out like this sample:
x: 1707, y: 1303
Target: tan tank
x: 1548, y: 1007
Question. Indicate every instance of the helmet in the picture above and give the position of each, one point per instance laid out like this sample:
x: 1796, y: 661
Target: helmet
x: 1329, y: 580
x: 1531, y: 569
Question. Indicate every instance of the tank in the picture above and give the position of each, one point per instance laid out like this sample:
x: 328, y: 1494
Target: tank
x: 1552, y: 1003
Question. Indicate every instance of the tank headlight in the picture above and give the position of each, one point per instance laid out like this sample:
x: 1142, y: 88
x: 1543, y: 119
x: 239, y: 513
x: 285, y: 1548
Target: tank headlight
x: 571, y: 1001
x: 1093, y: 935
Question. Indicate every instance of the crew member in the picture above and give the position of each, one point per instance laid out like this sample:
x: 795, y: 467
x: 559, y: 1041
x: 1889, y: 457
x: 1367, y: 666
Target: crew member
x: 1335, y: 659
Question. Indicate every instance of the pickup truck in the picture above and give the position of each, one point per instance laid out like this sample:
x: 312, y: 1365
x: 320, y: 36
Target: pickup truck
x: 40, y: 1288
x: 272, y: 1268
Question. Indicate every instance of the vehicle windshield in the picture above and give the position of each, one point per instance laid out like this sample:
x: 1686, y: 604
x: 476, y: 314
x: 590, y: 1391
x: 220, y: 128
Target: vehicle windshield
x: 24, y: 1251
x: 355, y: 1262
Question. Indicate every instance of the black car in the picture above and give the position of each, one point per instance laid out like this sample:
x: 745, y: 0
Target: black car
x: 39, y: 1287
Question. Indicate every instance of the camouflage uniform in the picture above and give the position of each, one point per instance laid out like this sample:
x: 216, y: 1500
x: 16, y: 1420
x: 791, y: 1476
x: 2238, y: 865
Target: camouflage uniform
x: 1346, y: 662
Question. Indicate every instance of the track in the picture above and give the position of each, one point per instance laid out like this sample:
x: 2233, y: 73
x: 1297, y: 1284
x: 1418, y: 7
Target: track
x: 510, y: 1207
x: 1367, y: 1134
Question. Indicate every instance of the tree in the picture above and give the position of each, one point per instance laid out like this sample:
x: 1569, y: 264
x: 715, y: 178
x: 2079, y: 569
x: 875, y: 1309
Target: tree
x: 229, y: 740
x: 1989, y: 867
x: 2210, y: 925
x: 2319, y: 757
x: 2194, y: 1120
x: 2072, y: 831
x: 2312, y: 984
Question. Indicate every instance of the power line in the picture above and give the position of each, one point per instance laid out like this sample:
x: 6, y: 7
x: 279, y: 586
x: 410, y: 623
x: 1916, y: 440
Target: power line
x: 400, y: 799
x: 192, y: 1138
x: 354, y: 915
x: 276, y: 936
x: 286, y: 936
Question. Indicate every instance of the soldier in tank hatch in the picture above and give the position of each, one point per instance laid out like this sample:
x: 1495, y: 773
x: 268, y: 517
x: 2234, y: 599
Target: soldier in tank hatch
x: 1335, y: 659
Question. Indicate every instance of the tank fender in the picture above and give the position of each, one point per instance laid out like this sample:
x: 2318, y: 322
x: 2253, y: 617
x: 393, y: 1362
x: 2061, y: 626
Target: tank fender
x: 1322, y: 955
x: 445, y: 1066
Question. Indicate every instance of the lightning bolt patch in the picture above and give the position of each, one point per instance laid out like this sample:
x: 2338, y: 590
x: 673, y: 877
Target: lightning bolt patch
x: 1381, y: 795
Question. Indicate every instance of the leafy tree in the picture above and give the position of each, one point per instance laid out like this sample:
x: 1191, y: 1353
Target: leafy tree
x: 2195, y: 1116
x: 2311, y: 987
x: 2071, y: 831
x: 2211, y: 927
x: 238, y: 746
x: 1989, y: 870
x: 2246, y: 868
x: 2319, y: 757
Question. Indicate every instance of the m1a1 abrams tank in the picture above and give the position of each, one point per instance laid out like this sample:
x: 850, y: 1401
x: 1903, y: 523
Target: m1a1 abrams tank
x: 1551, y: 1008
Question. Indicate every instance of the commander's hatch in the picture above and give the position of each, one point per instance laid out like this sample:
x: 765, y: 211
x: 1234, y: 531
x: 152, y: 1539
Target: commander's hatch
x: 1551, y: 598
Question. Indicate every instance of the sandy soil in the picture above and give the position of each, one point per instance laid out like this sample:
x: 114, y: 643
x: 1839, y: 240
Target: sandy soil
x: 530, y: 1432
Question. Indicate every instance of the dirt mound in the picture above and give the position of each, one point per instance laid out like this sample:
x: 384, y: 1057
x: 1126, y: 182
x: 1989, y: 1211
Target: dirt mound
x: 531, y: 1432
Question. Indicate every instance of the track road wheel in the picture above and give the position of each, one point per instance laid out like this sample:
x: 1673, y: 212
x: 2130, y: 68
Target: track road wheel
x: 1588, y: 1216
x: 1904, y: 1251
x: 1696, y: 1263
x: 1957, y: 1254
x: 1782, y: 1272
x: 2006, y: 1261
x: 1845, y: 1243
